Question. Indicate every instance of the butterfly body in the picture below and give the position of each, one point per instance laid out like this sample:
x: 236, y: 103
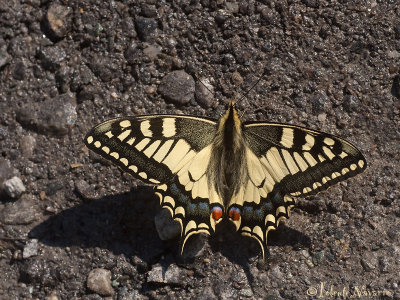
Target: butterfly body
x: 227, y: 164
x: 206, y: 170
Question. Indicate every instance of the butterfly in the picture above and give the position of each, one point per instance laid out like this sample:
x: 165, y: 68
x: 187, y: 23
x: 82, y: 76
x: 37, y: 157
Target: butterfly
x: 205, y: 170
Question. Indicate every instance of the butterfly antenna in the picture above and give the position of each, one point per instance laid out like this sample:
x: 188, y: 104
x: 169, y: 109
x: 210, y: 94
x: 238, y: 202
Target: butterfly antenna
x: 253, y: 86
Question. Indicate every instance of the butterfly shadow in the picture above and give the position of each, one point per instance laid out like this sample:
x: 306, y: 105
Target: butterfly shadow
x: 243, y: 250
x: 122, y: 223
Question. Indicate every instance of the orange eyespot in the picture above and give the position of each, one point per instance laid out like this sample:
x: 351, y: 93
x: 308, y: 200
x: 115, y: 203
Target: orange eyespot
x: 234, y: 213
x: 216, y: 213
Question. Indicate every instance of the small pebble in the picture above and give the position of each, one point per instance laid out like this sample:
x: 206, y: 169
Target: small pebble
x: 58, y: 20
x: 99, y: 281
x: 4, y: 56
x: 27, y: 145
x: 320, y: 103
x: 14, y: 187
x: 172, y: 275
x: 205, y: 93
x: 52, y: 57
x: 53, y: 296
x: 322, y: 117
x: 177, y: 87
x: 246, y: 293
x: 152, y: 51
x: 369, y: 262
x: 30, y: 249
x: 145, y: 28
x: 351, y: 103
x: 166, y: 227
x: 236, y: 78
x: 22, y: 211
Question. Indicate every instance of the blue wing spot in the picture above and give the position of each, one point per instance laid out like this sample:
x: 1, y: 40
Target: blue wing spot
x: 183, y: 198
x: 174, y: 189
x: 192, y: 207
x: 277, y: 199
x: 247, y: 211
x: 269, y: 207
x: 203, y: 206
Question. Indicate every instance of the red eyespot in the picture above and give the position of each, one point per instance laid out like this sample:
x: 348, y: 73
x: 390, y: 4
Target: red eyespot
x: 234, y: 213
x: 216, y: 213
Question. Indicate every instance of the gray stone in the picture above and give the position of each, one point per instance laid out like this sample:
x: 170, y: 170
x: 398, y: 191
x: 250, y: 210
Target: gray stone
x: 30, y: 249
x: 204, y: 93
x: 6, y: 171
x: 351, y: 103
x: 173, y: 275
x: 14, y: 187
x: 320, y: 103
x: 369, y: 262
x: 145, y: 28
x: 152, y: 51
x: 52, y: 57
x: 53, y: 116
x: 384, y: 264
x: 58, y: 20
x: 19, y: 70
x: 318, y: 257
x: 99, y: 281
x: 20, y: 212
x: 232, y: 7
x: 167, y: 227
x: 27, y: 145
x: 177, y: 87
x: 86, y: 190
x: 4, y: 56
x: 149, y: 11
x: 394, y: 54
x: 247, y: 292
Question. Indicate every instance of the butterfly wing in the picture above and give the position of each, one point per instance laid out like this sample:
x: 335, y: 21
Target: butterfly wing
x: 169, y: 151
x: 284, y: 162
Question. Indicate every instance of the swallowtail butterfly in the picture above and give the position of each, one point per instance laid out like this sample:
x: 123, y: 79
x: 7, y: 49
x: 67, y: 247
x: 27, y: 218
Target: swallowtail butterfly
x: 205, y: 170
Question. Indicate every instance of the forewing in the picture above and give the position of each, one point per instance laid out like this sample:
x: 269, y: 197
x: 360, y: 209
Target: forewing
x: 150, y: 148
x: 303, y: 162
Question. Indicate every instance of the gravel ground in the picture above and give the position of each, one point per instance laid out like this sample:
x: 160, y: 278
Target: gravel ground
x: 72, y: 226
